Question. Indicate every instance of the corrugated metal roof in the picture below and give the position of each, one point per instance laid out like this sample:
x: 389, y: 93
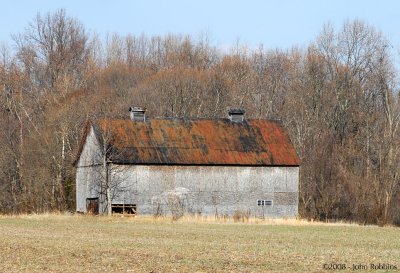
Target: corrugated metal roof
x: 197, y: 142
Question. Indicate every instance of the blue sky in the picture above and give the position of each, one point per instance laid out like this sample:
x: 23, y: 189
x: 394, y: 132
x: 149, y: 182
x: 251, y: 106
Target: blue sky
x: 279, y: 23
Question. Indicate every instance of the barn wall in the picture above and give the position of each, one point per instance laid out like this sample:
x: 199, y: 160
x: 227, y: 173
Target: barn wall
x: 88, y: 173
x: 208, y: 189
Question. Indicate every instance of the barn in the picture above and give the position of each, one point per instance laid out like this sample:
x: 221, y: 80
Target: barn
x: 163, y: 166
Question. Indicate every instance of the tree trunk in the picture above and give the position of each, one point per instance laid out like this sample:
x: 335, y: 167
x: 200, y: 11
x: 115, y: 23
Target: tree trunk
x: 109, y: 211
x: 107, y: 184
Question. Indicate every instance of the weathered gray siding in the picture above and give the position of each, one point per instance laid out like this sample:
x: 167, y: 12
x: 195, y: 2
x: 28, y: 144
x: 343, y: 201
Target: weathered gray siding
x: 206, y: 190
x: 88, y: 172
x: 209, y: 189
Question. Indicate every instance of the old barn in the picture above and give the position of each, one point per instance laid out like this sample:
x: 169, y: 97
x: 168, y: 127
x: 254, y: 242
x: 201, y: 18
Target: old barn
x: 200, y: 166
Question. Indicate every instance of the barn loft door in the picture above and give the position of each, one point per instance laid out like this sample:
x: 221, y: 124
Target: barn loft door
x: 92, y: 205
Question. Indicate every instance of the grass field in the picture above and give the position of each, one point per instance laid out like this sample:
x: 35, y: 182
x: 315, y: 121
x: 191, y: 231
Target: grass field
x: 61, y: 243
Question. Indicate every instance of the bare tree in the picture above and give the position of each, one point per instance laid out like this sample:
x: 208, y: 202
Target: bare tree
x: 54, y: 51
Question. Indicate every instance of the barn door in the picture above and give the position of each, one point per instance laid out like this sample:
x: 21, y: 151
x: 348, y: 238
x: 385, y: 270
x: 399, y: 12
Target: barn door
x: 92, y: 205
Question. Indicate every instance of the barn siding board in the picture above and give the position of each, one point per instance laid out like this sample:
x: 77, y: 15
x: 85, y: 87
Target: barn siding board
x: 88, y: 172
x: 213, y: 188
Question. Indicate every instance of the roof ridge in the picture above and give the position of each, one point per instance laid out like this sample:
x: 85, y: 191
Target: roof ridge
x: 192, y: 119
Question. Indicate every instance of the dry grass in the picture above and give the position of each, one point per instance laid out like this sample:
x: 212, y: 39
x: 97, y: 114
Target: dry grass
x: 61, y: 243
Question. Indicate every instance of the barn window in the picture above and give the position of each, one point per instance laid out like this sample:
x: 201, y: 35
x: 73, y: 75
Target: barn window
x: 123, y: 208
x: 263, y: 203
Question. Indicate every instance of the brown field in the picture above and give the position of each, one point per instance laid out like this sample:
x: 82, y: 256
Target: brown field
x: 62, y: 243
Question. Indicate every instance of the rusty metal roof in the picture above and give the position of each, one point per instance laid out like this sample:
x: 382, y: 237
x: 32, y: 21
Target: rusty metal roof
x: 197, y: 142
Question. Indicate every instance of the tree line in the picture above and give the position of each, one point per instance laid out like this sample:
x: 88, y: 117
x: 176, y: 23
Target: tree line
x: 338, y: 98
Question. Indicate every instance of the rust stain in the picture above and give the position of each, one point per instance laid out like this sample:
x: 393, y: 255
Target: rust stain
x: 199, y: 142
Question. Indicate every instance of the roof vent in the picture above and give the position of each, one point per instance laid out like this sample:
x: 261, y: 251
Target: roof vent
x: 236, y: 115
x: 137, y: 113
